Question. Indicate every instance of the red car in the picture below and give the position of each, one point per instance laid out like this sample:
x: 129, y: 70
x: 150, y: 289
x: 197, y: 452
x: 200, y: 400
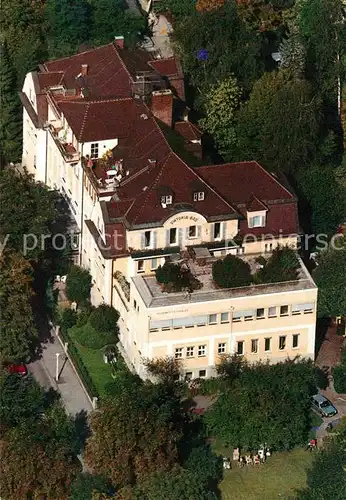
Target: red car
x: 19, y: 368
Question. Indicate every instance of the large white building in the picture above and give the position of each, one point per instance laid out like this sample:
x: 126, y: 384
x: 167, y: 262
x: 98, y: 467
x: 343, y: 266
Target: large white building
x: 108, y: 129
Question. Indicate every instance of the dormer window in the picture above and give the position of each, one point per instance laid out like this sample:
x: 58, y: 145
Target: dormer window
x: 166, y: 200
x: 198, y: 196
x: 257, y: 221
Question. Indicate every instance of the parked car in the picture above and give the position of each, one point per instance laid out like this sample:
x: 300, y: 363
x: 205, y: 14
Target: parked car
x: 19, y: 368
x: 323, y: 406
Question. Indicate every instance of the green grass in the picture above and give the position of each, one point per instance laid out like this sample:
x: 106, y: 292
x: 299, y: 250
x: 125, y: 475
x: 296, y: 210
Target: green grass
x: 279, y: 478
x: 99, y: 371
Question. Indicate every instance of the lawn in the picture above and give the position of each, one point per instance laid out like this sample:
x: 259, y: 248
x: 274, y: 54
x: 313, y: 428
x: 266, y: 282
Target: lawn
x: 99, y: 371
x: 279, y: 477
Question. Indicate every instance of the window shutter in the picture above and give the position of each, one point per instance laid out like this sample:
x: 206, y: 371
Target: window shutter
x: 212, y: 232
x: 180, y: 236
x: 187, y: 233
x: 154, y: 239
x: 223, y: 230
x: 199, y: 231
x: 142, y: 241
x: 167, y: 238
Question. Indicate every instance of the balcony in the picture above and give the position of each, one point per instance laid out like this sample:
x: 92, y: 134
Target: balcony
x: 67, y: 150
x: 105, y: 174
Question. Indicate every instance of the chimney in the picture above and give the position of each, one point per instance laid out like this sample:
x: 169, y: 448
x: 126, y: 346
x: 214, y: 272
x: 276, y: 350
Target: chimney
x: 119, y: 42
x: 84, y: 70
x: 162, y: 105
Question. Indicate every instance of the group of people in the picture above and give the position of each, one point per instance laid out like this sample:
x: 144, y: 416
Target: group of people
x: 252, y: 459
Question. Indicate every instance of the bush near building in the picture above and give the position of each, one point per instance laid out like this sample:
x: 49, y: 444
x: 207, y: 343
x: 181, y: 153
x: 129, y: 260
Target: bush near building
x: 282, y: 265
x: 175, y: 278
x: 78, y: 285
x: 231, y: 272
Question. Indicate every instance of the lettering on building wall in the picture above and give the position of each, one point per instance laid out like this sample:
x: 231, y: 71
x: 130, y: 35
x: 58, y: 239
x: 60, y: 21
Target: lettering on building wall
x: 184, y: 217
x: 177, y: 311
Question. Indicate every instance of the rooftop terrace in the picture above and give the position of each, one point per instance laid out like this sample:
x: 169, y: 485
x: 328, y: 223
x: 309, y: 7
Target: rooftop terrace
x: 153, y: 295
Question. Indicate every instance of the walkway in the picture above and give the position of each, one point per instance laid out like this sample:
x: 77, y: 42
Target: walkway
x: 71, y: 390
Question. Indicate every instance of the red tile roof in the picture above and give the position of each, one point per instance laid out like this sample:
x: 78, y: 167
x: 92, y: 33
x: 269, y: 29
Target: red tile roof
x: 255, y: 205
x: 166, y: 67
x: 188, y: 130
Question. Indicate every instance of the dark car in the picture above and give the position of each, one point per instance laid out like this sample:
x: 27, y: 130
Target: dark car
x: 323, y: 406
x: 19, y: 368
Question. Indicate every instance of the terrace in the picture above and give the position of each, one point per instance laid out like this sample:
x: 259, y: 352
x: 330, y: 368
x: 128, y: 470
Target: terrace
x: 104, y: 173
x: 67, y: 149
x: 201, y: 267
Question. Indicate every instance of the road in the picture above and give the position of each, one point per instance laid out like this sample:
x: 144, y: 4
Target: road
x: 43, y: 369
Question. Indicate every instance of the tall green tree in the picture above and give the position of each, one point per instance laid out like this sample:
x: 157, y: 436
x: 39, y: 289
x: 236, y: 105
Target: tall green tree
x: 330, y: 277
x: 279, y: 124
x: 10, y: 110
x: 78, y: 285
x: 27, y: 212
x: 135, y: 434
x: 221, y: 102
x: 67, y: 25
x: 110, y: 18
x: 18, y: 333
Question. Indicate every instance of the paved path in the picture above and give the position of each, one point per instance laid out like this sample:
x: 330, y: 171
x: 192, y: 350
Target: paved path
x: 71, y: 390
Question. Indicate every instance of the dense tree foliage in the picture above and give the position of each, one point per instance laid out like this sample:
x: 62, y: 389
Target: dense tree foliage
x: 231, y: 272
x: 135, y: 434
x: 282, y: 265
x: 327, y: 476
x: 330, y: 277
x: 27, y: 211
x: 250, y: 412
x: 104, y: 318
x: 18, y: 333
x: 166, y: 370
x: 11, y: 116
x: 78, y: 285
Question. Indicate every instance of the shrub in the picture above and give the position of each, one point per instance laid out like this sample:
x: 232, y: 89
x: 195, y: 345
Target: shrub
x: 175, y: 278
x: 339, y: 375
x: 68, y: 319
x: 166, y: 369
x: 88, y: 337
x: 83, y: 316
x: 78, y: 285
x: 321, y: 378
x: 231, y: 272
x: 282, y: 265
x: 104, y: 319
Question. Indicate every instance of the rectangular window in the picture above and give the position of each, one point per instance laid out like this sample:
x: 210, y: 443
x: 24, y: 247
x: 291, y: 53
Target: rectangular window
x: 173, y: 236
x: 267, y: 344
x: 188, y: 375
x: 282, y: 342
x: 178, y: 353
x: 260, y: 313
x: 190, y: 351
x: 140, y: 266
x: 221, y: 348
x: 268, y: 247
x: 202, y: 373
x: 217, y: 231
x: 202, y: 350
x: 147, y: 239
x: 257, y: 221
x: 272, y: 312
x: 192, y: 231
x: 94, y: 150
x: 134, y: 304
x: 240, y: 348
x: 198, y: 196
x: 224, y: 317
x: 153, y: 265
x: 295, y: 340
x: 166, y: 200
x: 284, y: 311
x: 254, y: 346
x: 212, y: 319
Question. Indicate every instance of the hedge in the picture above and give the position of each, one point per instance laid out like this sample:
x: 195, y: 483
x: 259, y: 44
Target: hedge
x: 339, y: 375
x: 77, y: 361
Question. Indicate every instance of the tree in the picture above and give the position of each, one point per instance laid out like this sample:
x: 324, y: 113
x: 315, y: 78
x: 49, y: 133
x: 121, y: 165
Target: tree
x: 134, y: 435
x: 326, y: 477
x: 10, y: 120
x: 67, y: 26
x: 110, y: 18
x: 249, y: 412
x: 221, y: 102
x: 231, y: 272
x: 78, y: 285
x: 260, y: 15
x: 177, y: 8
x: 228, y: 48
x: 282, y: 265
x: 18, y: 333
x: 166, y: 370
x: 279, y: 124
x: 27, y: 211
x: 105, y: 319
x: 209, y: 5
x: 175, y: 485
x: 86, y: 486
x: 330, y: 276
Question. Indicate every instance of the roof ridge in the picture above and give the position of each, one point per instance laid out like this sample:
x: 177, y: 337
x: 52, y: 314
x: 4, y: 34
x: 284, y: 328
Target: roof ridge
x: 83, y: 122
x: 78, y: 54
x: 121, y: 61
x: 274, y: 178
